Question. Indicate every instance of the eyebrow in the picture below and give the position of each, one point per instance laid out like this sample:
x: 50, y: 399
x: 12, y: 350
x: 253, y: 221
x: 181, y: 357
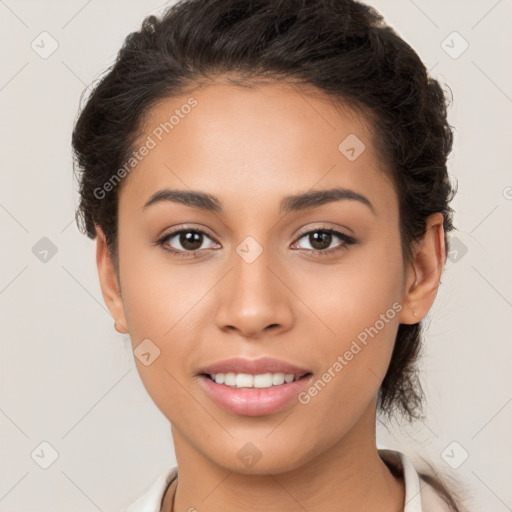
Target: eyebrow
x: 292, y: 203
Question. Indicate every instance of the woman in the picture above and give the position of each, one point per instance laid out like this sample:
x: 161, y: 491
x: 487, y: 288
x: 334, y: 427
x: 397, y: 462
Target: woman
x: 267, y: 184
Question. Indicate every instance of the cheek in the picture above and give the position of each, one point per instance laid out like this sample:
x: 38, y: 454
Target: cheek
x: 355, y: 362
x: 162, y: 304
x: 358, y: 313
x: 158, y: 294
x: 352, y: 295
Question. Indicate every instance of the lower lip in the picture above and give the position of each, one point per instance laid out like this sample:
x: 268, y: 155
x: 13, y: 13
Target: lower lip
x: 254, y: 401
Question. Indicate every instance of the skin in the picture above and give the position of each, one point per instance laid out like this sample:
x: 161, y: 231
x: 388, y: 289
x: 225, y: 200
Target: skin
x: 250, y: 148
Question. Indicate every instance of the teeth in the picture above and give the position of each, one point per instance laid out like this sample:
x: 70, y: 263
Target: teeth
x: 230, y: 379
x: 246, y: 380
x: 277, y: 379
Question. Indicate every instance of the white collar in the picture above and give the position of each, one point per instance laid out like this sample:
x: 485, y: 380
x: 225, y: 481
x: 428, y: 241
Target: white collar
x: 419, y: 496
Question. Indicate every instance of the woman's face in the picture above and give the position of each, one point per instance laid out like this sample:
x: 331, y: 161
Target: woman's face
x: 251, y: 286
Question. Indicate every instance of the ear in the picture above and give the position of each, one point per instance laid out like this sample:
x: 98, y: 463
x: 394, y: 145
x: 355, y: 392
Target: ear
x: 109, y: 282
x: 424, y: 273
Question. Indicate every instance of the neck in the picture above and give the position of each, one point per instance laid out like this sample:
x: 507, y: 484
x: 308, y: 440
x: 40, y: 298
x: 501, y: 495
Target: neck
x: 347, y: 476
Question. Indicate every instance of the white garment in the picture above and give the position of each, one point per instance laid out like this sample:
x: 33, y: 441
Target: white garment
x: 419, y: 496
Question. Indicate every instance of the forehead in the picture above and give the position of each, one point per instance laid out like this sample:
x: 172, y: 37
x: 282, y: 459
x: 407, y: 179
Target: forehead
x: 272, y: 139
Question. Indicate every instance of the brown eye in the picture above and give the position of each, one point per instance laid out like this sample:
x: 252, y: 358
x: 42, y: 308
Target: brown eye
x: 184, y: 240
x: 190, y: 240
x: 320, y: 241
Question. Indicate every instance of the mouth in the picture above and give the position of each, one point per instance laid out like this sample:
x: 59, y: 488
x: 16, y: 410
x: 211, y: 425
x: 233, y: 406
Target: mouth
x: 254, y: 381
x: 254, y: 394
x: 253, y: 387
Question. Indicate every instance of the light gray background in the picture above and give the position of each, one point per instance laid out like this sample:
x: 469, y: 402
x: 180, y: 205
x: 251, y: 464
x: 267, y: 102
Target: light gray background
x: 68, y: 379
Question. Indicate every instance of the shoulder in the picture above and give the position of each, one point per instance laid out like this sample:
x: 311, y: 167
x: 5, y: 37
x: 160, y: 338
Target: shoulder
x: 419, y: 495
x: 151, y: 500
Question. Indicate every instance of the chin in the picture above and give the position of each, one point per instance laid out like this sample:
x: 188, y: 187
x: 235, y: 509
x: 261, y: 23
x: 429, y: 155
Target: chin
x: 259, y: 458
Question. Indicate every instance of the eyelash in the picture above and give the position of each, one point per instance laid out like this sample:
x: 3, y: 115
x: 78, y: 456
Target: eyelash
x: 347, y: 240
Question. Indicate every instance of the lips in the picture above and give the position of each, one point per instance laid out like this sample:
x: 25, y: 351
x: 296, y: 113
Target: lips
x: 253, y: 367
x: 237, y: 398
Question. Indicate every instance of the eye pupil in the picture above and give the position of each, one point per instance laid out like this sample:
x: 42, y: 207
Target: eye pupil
x: 191, y: 240
x: 323, y: 236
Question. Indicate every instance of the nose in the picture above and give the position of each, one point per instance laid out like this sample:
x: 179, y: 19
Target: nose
x: 253, y: 299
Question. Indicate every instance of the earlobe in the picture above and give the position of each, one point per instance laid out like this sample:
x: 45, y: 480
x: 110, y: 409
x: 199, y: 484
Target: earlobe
x: 109, y: 283
x: 120, y: 328
x: 424, y: 274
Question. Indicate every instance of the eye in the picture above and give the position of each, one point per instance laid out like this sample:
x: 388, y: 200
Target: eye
x: 191, y: 241
x: 321, y: 239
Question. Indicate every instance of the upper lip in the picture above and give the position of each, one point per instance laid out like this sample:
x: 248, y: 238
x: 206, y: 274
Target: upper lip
x: 253, y: 367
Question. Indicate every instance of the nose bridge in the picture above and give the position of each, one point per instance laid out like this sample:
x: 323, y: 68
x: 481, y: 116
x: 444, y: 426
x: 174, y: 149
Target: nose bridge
x: 251, y: 273
x: 252, y: 298
x: 252, y: 279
